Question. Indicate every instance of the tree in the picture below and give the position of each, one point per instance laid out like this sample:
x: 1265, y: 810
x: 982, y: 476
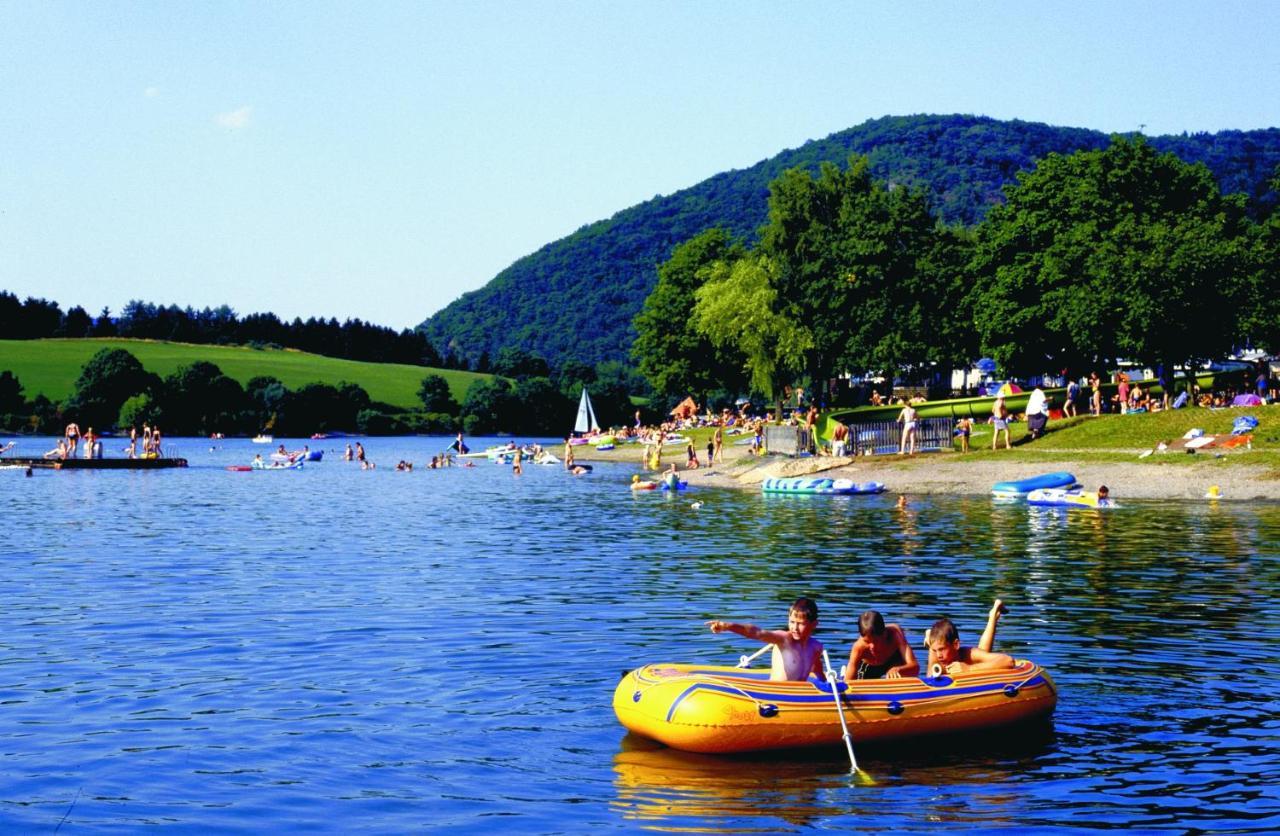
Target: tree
x: 76, y: 323
x: 436, y: 396
x: 671, y: 353
x: 516, y: 362
x: 198, y: 399
x: 110, y: 378
x: 11, y: 399
x: 852, y: 256
x: 739, y: 306
x: 489, y: 406
x: 1118, y: 252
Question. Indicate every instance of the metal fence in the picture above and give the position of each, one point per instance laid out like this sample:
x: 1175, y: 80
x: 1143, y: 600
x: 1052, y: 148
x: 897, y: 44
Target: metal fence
x: 788, y: 440
x: 880, y: 437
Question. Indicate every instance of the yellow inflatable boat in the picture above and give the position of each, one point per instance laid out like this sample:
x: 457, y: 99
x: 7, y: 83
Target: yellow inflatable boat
x: 707, y: 708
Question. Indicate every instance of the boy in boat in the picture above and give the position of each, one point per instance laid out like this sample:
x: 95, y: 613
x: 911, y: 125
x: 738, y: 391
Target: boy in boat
x: 943, y: 641
x: 881, y: 651
x: 796, y: 653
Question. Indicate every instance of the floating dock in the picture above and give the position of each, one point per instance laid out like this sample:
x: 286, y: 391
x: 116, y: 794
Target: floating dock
x: 93, y: 464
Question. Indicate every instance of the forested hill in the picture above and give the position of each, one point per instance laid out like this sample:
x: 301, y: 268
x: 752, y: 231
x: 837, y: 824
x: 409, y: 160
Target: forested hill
x: 575, y: 298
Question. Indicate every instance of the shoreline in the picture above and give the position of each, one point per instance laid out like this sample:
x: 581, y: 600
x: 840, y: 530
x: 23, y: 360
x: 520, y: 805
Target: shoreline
x: 954, y: 474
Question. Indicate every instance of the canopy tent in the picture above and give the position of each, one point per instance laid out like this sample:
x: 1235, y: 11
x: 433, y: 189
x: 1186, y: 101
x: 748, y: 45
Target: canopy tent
x: 685, y: 410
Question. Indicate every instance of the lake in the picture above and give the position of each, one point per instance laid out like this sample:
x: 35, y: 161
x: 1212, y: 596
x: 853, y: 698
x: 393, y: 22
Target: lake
x: 332, y: 649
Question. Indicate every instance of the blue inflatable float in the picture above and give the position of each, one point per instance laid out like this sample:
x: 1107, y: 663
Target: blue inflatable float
x: 809, y: 485
x: 1018, y: 489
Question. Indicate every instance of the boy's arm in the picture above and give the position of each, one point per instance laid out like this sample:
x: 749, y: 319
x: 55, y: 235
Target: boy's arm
x: 749, y: 631
x: 855, y: 656
x: 982, y: 660
x: 909, y: 666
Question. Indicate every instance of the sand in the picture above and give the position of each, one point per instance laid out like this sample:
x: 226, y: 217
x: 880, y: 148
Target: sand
x: 1155, y: 477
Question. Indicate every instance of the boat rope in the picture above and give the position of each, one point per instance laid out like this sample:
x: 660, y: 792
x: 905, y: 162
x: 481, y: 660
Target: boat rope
x: 765, y: 709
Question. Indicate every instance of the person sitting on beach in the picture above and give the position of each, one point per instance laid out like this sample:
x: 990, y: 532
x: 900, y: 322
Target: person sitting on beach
x: 881, y: 651
x: 796, y: 653
x: 945, y: 651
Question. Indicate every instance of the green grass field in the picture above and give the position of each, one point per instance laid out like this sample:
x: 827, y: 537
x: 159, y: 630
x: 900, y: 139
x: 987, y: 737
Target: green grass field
x: 50, y: 367
x: 1121, y: 437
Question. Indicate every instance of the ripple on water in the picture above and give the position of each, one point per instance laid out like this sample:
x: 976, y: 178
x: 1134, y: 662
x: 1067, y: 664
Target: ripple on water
x: 438, y: 650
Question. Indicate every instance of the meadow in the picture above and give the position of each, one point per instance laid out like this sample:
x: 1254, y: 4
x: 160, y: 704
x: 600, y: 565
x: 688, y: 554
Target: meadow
x: 51, y: 366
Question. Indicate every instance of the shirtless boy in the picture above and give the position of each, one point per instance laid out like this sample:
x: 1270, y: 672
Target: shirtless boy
x: 943, y: 641
x: 881, y: 651
x: 796, y: 653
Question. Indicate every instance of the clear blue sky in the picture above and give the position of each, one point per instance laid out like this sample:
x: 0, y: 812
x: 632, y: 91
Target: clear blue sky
x: 379, y: 159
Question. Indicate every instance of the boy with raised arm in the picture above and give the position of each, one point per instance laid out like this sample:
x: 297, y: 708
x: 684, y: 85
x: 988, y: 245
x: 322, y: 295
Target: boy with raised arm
x: 881, y: 651
x: 943, y: 641
x: 796, y: 653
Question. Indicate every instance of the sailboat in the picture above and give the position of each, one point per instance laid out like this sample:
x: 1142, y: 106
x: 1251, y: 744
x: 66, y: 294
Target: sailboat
x: 586, y: 416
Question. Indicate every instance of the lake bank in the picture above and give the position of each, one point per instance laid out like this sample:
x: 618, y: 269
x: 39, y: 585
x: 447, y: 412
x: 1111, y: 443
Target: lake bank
x: 1167, y: 476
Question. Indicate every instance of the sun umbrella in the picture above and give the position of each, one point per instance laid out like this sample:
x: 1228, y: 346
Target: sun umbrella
x: 1009, y: 389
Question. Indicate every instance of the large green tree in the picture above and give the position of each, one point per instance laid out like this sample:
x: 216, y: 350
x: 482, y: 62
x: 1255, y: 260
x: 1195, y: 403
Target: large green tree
x: 1122, y: 252
x: 199, y: 399
x: 853, y: 257
x: 670, y: 351
x: 111, y: 377
x: 739, y: 307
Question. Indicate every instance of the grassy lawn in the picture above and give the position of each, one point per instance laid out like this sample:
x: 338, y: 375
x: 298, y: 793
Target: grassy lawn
x: 50, y: 367
x: 1119, y: 438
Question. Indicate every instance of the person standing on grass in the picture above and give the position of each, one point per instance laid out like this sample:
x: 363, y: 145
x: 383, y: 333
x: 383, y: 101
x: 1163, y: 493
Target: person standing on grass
x: 1000, y: 420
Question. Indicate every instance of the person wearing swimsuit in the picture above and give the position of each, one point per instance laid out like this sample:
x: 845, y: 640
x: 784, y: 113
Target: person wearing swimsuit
x: 881, y: 651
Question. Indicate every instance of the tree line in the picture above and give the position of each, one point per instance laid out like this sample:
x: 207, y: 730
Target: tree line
x: 352, y: 339
x: 1119, y: 252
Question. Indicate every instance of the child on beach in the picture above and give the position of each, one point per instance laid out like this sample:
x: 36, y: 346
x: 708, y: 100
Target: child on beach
x: 964, y: 428
x: 881, y: 651
x: 796, y: 654
x: 943, y: 641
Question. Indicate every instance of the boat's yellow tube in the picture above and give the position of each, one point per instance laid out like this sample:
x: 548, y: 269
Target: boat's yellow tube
x: 707, y: 708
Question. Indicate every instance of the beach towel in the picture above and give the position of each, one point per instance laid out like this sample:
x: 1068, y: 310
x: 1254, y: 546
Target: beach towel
x: 1244, y: 424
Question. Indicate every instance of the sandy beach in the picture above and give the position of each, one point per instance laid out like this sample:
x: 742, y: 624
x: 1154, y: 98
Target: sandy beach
x: 1156, y: 477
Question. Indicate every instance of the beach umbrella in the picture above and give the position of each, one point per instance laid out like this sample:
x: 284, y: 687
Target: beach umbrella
x: 1009, y: 389
x: 986, y: 365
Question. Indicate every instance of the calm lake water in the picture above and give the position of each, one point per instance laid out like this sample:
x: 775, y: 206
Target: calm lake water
x: 334, y: 649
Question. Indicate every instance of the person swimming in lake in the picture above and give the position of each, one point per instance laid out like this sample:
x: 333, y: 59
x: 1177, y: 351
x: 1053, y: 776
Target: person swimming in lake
x: 881, y: 651
x: 796, y: 653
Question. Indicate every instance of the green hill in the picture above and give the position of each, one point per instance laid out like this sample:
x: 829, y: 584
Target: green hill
x: 50, y: 367
x: 575, y: 298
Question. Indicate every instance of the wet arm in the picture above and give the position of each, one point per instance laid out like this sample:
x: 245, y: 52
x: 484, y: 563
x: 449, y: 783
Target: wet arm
x: 910, y: 666
x: 749, y: 631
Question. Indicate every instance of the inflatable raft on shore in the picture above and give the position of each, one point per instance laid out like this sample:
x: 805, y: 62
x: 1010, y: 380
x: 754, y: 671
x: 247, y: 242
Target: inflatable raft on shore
x: 813, y: 485
x: 1019, y: 488
x: 707, y: 708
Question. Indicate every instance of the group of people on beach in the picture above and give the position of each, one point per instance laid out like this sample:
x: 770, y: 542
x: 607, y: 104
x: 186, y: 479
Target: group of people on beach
x: 881, y: 651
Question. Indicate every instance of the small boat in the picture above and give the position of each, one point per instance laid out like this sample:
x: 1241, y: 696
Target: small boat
x: 1021, y: 487
x: 262, y: 439
x: 644, y: 485
x: 719, y: 709
x: 604, y: 447
x: 809, y: 485
x: 1061, y: 498
x: 545, y: 458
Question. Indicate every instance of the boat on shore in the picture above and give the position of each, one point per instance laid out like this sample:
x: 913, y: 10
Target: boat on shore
x: 819, y: 486
x: 1019, y: 488
x: 719, y: 709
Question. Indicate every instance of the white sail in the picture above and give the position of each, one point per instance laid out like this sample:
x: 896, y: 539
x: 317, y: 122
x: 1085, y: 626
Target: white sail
x: 586, y: 415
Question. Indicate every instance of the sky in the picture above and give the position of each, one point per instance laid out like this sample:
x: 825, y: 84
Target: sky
x: 377, y: 160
